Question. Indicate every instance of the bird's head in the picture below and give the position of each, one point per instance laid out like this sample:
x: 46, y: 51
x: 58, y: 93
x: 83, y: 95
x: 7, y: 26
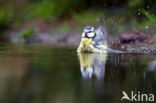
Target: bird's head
x: 88, y: 35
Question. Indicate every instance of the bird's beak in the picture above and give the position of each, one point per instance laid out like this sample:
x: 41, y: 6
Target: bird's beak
x: 86, y: 41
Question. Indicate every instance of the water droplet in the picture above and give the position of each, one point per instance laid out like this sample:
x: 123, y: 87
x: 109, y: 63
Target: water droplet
x: 122, y: 47
x: 146, y: 27
x: 139, y: 13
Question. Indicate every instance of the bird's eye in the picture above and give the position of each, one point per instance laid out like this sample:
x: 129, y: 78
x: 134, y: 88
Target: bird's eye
x: 91, y: 34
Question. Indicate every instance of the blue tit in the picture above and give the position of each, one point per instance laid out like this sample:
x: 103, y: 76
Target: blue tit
x: 93, y: 40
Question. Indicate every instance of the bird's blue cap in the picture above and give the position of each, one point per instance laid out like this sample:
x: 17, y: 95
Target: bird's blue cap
x: 88, y: 28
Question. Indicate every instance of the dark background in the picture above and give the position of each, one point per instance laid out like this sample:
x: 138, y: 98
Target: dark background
x: 23, y: 18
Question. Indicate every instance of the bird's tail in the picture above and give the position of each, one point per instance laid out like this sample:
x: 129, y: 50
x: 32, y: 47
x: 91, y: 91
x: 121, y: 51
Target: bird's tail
x: 115, y: 51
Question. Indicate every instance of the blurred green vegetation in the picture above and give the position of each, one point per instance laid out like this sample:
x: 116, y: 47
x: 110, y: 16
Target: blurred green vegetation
x: 87, y: 17
x: 14, y: 13
x: 28, y: 35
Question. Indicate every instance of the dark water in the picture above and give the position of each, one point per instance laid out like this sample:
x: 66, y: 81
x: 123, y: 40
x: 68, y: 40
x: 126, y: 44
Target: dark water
x: 45, y: 74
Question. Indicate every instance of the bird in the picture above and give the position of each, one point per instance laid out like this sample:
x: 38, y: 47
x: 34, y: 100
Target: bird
x: 94, y: 41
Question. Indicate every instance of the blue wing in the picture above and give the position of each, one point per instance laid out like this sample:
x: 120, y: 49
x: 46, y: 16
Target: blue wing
x: 100, y: 36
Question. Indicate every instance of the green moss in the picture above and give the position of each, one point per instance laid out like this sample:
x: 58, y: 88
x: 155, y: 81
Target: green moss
x: 27, y: 33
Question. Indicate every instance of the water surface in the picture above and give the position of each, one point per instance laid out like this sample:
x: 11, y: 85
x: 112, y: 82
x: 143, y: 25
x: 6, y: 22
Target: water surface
x: 46, y: 74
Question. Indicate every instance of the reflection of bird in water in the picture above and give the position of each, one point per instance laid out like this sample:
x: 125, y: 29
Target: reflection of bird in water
x: 94, y: 41
x: 92, y: 65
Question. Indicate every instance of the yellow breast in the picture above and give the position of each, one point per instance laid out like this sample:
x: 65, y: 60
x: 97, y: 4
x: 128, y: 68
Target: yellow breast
x: 86, y: 46
x: 86, y: 41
